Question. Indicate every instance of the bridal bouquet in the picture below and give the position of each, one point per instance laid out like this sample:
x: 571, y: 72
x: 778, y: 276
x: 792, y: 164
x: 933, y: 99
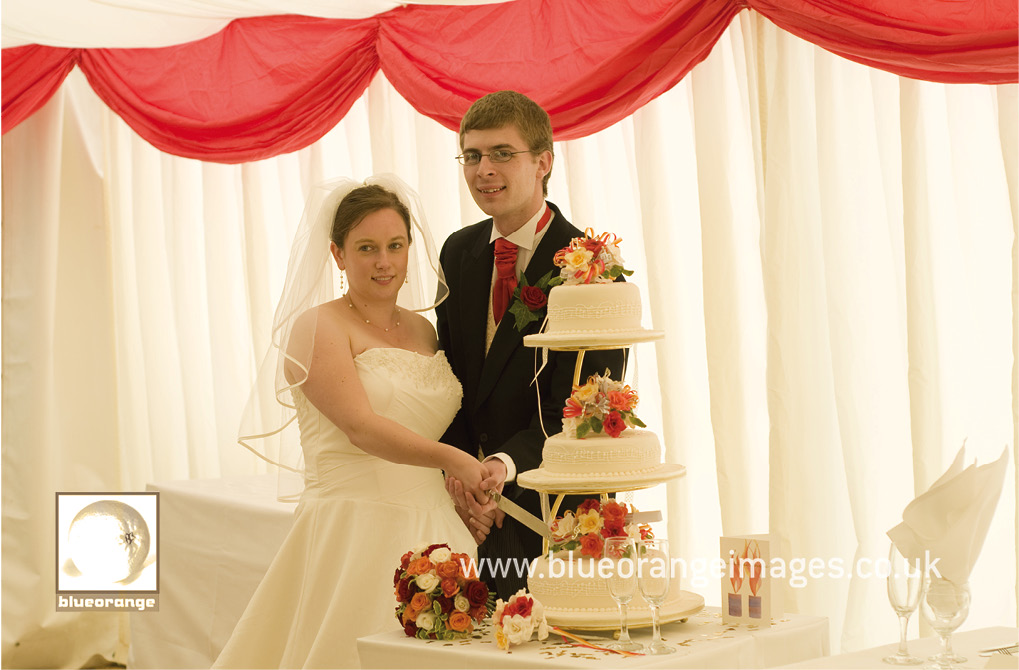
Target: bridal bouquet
x: 516, y: 620
x: 600, y: 405
x: 592, y: 523
x: 439, y: 595
x: 591, y: 260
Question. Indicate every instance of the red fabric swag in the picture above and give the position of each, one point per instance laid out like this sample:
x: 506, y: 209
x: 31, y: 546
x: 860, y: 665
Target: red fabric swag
x: 271, y: 85
x: 31, y: 74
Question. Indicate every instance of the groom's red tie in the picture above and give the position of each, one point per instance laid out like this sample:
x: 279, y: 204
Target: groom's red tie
x: 505, y: 276
x: 505, y: 270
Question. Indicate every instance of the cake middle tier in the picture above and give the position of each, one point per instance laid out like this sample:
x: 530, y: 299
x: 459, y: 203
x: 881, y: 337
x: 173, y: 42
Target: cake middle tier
x: 634, y: 451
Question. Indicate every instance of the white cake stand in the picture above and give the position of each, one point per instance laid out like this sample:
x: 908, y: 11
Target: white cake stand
x: 681, y: 604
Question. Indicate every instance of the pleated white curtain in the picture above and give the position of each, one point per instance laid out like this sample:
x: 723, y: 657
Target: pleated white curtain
x: 830, y: 250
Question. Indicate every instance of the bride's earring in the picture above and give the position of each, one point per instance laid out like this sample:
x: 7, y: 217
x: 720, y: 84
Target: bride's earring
x: 343, y: 284
x: 406, y: 279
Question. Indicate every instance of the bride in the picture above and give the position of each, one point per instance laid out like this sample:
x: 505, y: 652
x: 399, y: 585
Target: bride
x: 371, y: 395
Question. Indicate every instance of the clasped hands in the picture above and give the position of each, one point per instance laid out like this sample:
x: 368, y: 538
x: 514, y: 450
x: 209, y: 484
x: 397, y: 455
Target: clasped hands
x: 478, y: 510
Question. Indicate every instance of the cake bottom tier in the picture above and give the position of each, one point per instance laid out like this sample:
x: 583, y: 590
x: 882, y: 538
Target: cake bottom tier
x: 575, y: 595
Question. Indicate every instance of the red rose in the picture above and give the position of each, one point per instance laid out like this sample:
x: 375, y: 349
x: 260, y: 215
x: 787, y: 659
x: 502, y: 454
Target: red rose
x: 403, y: 592
x: 479, y: 613
x: 524, y: 606
x: 477, y: 593
x: 613, y: 424
x: 613, y: 529
x: 433, y: 547
x: 533, y: 297
x: 591, y: 545
x: 396, y: 577
x: 405, y: 560
x: 410, y: 629
x: 589, y: 504
x: 445, y: 603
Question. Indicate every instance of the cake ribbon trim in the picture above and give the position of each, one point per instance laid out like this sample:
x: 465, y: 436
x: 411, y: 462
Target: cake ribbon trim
x: 578, y: 641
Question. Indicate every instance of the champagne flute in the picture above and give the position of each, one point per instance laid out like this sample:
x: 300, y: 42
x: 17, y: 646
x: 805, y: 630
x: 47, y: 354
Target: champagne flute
x: 620, y: 556
x: 905, y: 585
x: 653, y: 579
x: 944, y: 607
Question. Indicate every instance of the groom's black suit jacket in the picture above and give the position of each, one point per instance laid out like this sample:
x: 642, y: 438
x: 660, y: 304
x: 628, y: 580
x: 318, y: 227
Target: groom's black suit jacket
x: 500, y: 409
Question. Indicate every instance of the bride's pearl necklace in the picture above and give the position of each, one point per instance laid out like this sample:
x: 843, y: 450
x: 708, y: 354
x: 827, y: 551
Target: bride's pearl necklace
x: 350, y: 303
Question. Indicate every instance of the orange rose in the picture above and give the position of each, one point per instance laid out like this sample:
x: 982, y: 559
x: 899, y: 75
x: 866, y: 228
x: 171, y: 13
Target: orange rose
x: 410, y: 615
x: 449, y: 588
x: 591, y: 545
x: 613, y: 512
x: 466, y: 565
x: 459, y: 621
x: 420, y: 601
x: 448, y: 569
x: 419, y: 567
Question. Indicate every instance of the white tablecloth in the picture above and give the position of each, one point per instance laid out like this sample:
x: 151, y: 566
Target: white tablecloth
x: 709, y: 644
x: 966, y: 643
x: 217, y: 538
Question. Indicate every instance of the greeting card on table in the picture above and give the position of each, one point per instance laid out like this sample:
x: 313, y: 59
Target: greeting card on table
x: 746, y: 589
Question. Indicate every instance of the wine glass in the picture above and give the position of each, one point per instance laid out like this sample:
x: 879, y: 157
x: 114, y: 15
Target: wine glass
x: 905, y: 585
x: 944, y: 607
x: 653, y: 579
x: 621, y: 560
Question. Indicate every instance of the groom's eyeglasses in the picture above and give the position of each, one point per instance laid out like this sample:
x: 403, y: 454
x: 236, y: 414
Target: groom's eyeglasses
x: 497, y: 156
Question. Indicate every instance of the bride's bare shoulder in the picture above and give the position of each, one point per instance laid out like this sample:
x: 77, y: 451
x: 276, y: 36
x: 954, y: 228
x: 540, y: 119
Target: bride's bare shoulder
x: 424, y: 331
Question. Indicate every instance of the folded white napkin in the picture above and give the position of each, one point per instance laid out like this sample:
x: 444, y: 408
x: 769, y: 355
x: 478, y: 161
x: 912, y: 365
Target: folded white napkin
x: 950, y: 520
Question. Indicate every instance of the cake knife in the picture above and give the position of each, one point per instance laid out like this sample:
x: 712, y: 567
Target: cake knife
x: 521, y: 515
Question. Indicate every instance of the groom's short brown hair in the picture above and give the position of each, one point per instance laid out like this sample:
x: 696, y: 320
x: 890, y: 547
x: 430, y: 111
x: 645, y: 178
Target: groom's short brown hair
x: 502, y: 108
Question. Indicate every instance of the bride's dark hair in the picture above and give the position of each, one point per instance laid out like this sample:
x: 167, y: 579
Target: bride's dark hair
x: 361, y: 202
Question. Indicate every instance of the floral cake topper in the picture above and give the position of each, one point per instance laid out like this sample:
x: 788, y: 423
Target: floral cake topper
x: 591, y: 260
x: 593, y: 522
x: 602, y: 405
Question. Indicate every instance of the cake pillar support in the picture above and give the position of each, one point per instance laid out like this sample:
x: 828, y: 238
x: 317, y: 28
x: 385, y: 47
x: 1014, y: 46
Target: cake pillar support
x: 576, y: 369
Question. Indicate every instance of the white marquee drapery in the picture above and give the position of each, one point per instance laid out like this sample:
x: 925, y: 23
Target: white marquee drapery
x: 830, y: 249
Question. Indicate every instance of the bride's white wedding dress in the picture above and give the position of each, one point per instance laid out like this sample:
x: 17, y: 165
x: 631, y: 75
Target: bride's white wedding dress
x: 332, y: 580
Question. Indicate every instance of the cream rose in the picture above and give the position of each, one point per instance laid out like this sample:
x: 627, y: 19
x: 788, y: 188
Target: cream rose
x: 427, y: 582
x: 565, y: 527
x: 586, y: 393
x: 426, y: 620
x: 518, y: 629
x: 578, y: 259
x: 460, y: 603
x: 440, y: 555
x: 588, y: 522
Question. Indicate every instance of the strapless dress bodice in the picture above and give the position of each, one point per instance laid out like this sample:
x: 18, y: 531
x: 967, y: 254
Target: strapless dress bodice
x: 416, y: 391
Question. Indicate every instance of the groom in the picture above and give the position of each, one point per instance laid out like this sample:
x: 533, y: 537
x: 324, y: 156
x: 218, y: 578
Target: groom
x: 506, y: 153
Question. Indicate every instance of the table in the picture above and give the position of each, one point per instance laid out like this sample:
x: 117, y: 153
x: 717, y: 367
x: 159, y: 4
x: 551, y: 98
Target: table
x: 966, y: 643
x: 217, y: 538
x: 709, y: 643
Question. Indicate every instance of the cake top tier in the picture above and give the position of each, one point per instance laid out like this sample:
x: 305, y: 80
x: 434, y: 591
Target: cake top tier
x: 588, y: 305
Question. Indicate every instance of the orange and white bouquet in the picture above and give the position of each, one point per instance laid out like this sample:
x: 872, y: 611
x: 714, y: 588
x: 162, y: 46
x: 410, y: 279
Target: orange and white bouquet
x: 602, y: 405
x: 593, y: 522
x: 517, y: 619
x: 591, y: 260
x: 439, y: 595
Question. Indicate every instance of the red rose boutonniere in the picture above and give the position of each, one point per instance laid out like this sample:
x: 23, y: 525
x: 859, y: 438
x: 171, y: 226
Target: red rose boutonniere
x: 530, y: 300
